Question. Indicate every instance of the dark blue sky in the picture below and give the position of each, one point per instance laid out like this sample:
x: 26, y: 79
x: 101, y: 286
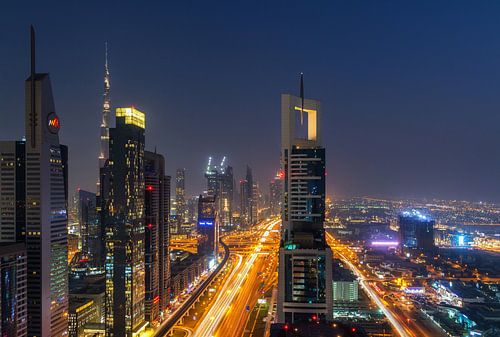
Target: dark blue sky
x: 409, y: 89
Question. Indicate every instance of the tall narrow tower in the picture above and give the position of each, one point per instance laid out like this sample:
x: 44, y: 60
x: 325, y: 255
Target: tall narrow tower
x: 305, y: 261
x: 46, y: 218
x: 106, y: 110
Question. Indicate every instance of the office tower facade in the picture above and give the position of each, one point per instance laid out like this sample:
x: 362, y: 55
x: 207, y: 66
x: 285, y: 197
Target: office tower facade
x: 305, y: 260
x: 255, y: 202
x: 180, y: 197
x: 13, y: 274
x: 416, y: 232
x: 245, y: 209
x: 106, y: 112
x: 275, y: 195
x: 207, y: 225
x: 157, y: 261
x: 192, y: 206
x: 122, y: 197
x: 220, y: 184
x: 226, y: 196
x: 87, y: 219
x: 249, y: 197
x: 46, y: 215
x: 13, y: 191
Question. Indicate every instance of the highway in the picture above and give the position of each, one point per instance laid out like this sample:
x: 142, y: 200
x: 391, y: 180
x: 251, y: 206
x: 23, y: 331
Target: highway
x: 397, y: 325
x: 170, y: 322
x: 406, y: 323
x: 227, y: 314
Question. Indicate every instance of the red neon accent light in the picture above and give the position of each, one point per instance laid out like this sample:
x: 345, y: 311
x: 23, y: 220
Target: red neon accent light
x: 54, y: 122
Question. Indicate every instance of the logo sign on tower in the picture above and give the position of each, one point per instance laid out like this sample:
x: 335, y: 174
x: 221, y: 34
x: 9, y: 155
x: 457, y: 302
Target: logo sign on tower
x: 53, y: 123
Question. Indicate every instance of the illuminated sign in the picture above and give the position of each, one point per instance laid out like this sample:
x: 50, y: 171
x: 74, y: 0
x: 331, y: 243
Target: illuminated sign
x: 53, y: 123
x: 205, y: 223
x: 385, y: 243
x: 415, y: 290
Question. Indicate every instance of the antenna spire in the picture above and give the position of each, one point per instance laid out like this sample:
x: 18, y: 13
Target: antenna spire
x: 106, y: 53
x: 32, y: 34
x: 33, y: 118
x: 302, y: 98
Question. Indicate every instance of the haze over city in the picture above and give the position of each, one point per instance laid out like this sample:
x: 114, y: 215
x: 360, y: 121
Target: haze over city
x: 408, y: 90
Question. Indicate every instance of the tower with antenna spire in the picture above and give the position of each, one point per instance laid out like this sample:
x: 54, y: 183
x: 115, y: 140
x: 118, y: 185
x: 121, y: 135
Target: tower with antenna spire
x: 106, y: 110
x: 305, y: 259
x: 46, y: 215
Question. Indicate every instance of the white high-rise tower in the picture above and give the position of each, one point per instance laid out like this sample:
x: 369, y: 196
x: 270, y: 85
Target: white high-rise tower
x: 46, y: 217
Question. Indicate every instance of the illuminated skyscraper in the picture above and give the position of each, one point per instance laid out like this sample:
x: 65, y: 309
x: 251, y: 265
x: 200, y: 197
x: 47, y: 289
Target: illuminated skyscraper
x: 122, y: 194
x: 157, y: 204
x: 244, y: 202
x: 208, y: 225
x: 13, y: 274
x: 46, y: 216
x: 305, y: 260
x: 87, y: 219
x: 106, y: 110
x: 416, y: 232
x: 13, y: 191
x: 220, y: 184
x: 180, y: 197
x: 276, y: 195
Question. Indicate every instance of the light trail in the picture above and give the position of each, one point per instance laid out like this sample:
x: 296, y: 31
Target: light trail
x: 373, y: 295
x: 222, y: 304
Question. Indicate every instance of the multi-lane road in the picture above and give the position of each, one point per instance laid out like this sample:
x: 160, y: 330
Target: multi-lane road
x: 254, y: 255
x: 406, y: 323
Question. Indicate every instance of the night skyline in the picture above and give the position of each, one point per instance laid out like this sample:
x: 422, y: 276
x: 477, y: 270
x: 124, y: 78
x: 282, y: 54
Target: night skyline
x: 408, y: 91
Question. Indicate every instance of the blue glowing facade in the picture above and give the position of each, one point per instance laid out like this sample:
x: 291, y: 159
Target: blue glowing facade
x: 416, y: 231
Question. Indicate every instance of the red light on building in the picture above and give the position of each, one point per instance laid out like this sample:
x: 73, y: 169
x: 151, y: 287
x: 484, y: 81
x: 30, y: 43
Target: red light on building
x: 156, y: 299
x: 314, y: 318
x: 281, y: 174
x: 149, y: 188
x: 285, y: 327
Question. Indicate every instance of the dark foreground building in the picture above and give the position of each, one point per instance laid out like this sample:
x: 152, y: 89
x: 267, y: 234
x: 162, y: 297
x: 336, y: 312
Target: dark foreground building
x: 416, y: 232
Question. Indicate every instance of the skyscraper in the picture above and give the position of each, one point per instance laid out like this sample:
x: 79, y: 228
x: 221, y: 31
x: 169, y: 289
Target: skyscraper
x: 122, y: 194
x: 275, y: 195
x: 87, y: 219
x: 416, y: 232
x: 157, y: 200
x: 208, y: 226
x: 13, y: 274
x: 245, y: 209
x: 106, y: 110
x: 220, y: 184
x: 305, y: 260
x: 180, y: 197
x: 46, y: 216
x: 13, y: 191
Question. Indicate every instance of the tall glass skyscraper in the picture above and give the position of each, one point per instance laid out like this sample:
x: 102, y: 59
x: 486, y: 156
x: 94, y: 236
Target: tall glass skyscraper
x: 305, y: 261
x: 157, y: 210
x: 46, y: 216
x: 122, y: 193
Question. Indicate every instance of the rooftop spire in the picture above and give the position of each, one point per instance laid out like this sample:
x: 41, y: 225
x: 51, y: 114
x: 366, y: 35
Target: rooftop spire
x: 106, y: 61
x: 32, y: 34
x: 32, y: 98
x: 302, y: 98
